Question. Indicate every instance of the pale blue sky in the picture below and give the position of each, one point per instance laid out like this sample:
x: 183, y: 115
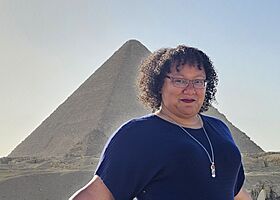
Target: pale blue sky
x: 48, y: 48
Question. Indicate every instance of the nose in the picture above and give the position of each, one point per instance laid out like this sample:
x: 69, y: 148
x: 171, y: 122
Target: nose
x: 189, y: 89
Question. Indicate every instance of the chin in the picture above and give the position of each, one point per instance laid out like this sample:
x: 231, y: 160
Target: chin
x: 188, y: 114
x: 189, y: 111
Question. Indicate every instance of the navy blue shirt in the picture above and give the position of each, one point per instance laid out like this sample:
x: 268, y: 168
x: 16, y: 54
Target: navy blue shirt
x: 153, y: 159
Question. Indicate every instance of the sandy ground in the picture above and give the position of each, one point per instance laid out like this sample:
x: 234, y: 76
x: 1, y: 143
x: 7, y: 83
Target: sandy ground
x: 44, y: 186
x: 59, y: 178
x: 44, y: 179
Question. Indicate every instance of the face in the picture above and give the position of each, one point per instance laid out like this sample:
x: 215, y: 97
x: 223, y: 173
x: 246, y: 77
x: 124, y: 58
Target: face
x: 186, y: 102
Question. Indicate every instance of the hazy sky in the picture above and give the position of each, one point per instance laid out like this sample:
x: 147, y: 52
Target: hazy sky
x: 49, y: 48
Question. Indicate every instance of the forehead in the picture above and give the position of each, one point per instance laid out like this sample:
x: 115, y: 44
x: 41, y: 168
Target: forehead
x: 187, y: 69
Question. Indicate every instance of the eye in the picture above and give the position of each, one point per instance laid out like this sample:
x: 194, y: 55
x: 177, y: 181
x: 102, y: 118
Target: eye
x: 198, y: 81
x: 179, y: 81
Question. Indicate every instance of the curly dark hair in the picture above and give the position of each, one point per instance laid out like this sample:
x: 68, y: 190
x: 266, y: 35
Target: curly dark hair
x: 153, y: 70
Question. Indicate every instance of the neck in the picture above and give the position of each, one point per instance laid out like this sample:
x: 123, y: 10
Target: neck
x: 190, y: 122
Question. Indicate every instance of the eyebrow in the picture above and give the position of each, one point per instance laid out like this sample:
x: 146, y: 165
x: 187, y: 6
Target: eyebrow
x: 181, y: 76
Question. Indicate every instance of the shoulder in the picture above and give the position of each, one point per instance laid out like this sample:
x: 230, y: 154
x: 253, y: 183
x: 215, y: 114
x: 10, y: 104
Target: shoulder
x: 132, y: 136
x: 216, y: 123
x: 135, y: 128
x: 139, y: 123
x: 213, y: 120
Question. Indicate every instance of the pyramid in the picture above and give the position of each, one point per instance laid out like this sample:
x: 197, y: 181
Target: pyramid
x: 82, y: 124
x: 245, y: 144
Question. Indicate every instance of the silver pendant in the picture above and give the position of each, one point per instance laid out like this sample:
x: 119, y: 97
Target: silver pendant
x: 213, y: 170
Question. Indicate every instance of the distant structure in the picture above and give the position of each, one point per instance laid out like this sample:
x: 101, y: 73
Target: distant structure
x: 82, y: 124
x: 245, y: 144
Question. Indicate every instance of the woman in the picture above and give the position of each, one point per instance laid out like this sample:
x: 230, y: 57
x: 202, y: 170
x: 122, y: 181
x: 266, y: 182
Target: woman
x: 176, y: 152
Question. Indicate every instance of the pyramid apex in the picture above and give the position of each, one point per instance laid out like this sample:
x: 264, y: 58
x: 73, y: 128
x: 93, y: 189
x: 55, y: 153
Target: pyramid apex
x: 133, y: 45
x: 133, y: 42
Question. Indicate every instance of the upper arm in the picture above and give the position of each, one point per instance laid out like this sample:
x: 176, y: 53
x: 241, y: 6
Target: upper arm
x: 242, y: 195
x: 94, y: 190
x: 130, y: 161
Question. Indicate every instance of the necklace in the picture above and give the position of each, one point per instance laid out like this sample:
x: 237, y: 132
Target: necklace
x: 212, y: 157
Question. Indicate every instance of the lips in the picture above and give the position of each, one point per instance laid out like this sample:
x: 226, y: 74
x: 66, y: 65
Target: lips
x: 187, y: 100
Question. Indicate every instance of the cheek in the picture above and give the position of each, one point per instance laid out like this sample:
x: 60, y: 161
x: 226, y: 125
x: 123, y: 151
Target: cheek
x: 170, y: 95
x: 175, y: 93
x: 202, y: 95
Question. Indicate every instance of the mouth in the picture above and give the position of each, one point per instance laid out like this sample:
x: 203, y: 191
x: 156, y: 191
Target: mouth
x: 187, y: 100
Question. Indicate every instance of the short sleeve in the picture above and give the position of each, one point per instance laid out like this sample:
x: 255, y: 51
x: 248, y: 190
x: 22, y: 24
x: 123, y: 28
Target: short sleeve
x: 127, y: 163
x: 239, y: 181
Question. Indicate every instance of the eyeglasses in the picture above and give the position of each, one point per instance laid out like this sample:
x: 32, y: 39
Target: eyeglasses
x: 183, y: 83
